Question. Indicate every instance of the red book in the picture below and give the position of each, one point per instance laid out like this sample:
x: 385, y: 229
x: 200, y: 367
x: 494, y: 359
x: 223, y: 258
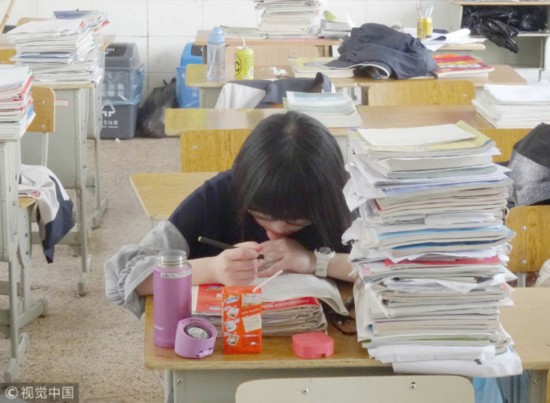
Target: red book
x: 453, y: 65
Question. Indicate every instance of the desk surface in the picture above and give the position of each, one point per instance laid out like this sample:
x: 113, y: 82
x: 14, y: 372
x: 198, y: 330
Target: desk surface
x: 178, y: 121
x: 528, y: 322
x: 174, y: 187
x: 195, y: 76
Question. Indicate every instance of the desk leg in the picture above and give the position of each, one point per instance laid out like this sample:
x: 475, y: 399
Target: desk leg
x: 538, y: 387
x: 94, y: 133
x: 168, y: 386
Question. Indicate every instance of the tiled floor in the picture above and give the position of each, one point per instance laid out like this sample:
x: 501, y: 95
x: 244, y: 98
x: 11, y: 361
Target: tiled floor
x: 89, y: 340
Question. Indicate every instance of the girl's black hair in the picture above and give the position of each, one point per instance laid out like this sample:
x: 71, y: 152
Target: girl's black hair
x: 291, y: 167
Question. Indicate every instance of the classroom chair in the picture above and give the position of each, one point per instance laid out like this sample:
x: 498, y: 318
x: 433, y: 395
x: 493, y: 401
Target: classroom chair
x: 420, y: 92
x: 531, y: 245
x: 6, y: 55
x: 505, y: 140
x: 210, y: 150
x: 387, y: 389
x: 43, y: 99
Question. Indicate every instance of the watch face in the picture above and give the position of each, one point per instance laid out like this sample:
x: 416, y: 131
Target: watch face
x: 325, y: 250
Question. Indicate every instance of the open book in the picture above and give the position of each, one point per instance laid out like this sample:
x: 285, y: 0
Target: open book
x: 290, y: 303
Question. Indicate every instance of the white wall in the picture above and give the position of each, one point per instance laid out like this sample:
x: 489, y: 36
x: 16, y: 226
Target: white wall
x: 161, y: 28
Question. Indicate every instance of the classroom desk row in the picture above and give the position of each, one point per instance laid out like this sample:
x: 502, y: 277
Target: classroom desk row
x: 195, y: 77
x: 181, y: 120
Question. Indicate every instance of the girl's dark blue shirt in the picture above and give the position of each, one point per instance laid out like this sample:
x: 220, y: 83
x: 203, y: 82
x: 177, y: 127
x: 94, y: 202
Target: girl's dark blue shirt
x: 211, y: 211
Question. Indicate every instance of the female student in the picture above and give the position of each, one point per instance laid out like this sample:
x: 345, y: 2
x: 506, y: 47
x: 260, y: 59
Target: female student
x: 282, y: 199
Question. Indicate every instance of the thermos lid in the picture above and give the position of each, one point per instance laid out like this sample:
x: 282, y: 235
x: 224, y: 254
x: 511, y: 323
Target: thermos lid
x: 216, y: 36
x: 172, y: 257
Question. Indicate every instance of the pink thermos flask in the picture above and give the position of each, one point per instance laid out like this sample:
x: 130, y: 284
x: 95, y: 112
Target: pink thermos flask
x: 171, y: 295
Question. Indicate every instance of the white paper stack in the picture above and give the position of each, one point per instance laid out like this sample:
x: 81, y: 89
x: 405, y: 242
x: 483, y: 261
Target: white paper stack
x: 57, y: 50
x: 429, y: 247
x: 514, y: 106
x: 288, y: 18
x: 16, y: 107
x: 333, y: 109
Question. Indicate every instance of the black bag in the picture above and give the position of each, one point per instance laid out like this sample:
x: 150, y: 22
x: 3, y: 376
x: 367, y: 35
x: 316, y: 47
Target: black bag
x: 150, y: 120
x: 530, y: 165
x: 501, y: 25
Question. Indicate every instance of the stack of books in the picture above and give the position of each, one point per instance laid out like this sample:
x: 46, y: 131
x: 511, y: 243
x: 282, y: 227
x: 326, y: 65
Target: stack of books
x: 456, y: 66
x: 16, y: 107
x: 514, y: 106
x: 288, y: 18
x: 290, y: 304
x: 57, y: 50
x: 333, y: 109
x: 334, y: 29
x: 429, y: 248
x: 309, y: 67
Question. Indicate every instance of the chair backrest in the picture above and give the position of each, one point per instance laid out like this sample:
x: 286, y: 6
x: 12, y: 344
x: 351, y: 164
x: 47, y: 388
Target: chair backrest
x: 421, y: 92
x: 274, y: 55
x: 505, y: 140
x: 6, y: 55
x: 44, y: 106
x: 210, y: 150
x: 531, y: 245
x: 387, y: 389
x: 43, y: 99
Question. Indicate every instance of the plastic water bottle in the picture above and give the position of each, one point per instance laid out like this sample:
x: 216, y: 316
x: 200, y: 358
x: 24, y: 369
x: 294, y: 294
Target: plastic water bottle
x: 215, y: 55
x: 171, y: 295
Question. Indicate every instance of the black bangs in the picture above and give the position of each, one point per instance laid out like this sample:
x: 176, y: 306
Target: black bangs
x: 281, y: 195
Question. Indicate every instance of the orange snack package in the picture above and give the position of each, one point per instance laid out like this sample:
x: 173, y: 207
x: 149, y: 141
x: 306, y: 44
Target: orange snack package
x: 242, y: 320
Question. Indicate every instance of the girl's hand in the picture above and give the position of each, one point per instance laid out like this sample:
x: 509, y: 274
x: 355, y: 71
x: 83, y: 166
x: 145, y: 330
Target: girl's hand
x: 238, y: 266
x: 285, y: 254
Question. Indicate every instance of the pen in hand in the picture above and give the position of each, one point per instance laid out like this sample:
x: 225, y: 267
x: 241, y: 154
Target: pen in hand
x: 222, y: 245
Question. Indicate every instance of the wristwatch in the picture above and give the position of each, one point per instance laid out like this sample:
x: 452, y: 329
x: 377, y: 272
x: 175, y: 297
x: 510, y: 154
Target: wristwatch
x: 323, y: 256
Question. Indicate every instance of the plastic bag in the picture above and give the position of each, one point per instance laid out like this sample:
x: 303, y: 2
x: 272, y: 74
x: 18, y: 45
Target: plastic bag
x: 493, y: 23
x: 150, y: 121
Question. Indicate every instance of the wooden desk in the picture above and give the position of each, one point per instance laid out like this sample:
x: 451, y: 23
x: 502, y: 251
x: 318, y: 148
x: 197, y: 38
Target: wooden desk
x: 190, y: 380
x: 181, y: 120
x: 15, y: 253
x: 174, y: 187
x: 209, y: 91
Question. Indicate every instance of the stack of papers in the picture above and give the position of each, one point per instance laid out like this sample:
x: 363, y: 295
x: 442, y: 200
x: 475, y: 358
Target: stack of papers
x: 16, y: 107
x: 290, y: 304
x: 333, y: 109
x: 57, y: 50
x: 334, y: 29
x: 288, y: 18
x: 514, y: 106
x: 429, y: 248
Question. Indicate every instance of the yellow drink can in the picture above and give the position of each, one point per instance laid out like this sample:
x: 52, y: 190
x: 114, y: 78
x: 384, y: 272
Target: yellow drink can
x: 424, y: 28
x: 244, y: 63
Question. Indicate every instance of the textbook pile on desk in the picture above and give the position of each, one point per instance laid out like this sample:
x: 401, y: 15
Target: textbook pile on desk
x: 58, y: 50
x: 514, y: 106
x: 430, y: 249
x: 290, y: 304
x: 16, y: 107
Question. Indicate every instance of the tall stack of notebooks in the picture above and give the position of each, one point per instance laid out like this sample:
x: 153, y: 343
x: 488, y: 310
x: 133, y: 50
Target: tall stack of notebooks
x: 429, y: 248
x: 16, y: 107
x: 57, y: 50
x: 514, y: 106
x: 288, y: 18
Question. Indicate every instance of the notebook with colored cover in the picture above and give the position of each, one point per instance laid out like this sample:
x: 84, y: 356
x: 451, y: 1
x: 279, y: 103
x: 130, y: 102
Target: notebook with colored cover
x: 454, y: 65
